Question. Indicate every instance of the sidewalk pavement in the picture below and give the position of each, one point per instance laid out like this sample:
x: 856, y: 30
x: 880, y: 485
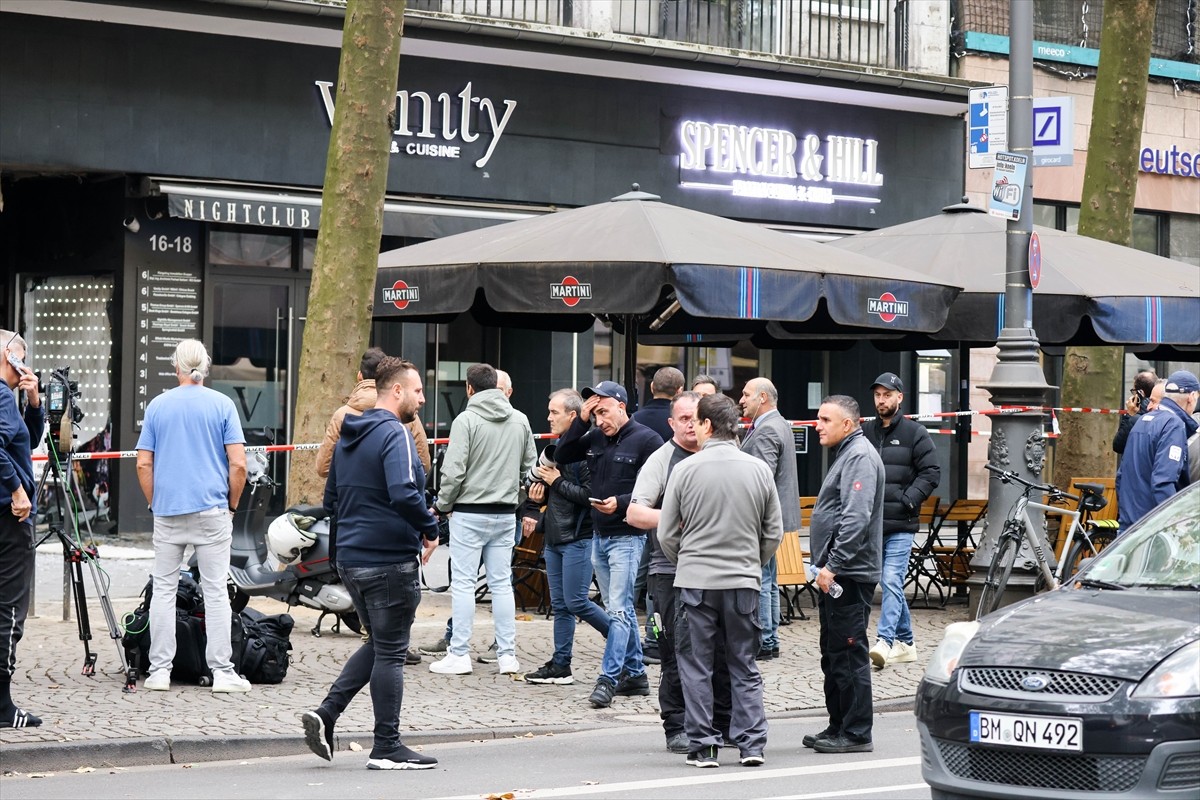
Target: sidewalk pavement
x: 90, y: 722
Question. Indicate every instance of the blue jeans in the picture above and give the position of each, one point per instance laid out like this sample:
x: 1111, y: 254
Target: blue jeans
x: 894, y: 620
x: 569, y: 573
x: 617, y: 559
x: 768, y: 606
x: 386, y: 599
x: 490, y: 537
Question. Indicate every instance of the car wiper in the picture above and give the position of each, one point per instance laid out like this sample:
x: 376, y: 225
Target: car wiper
x: 1092, y: 583
x: 1186, y: 587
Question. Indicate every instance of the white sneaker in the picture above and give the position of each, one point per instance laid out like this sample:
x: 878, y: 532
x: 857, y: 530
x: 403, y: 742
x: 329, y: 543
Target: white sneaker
x: 158, y: 681
x: 229, y: 682
x: 508, y: 665
x: 452, y: 665
x: 879, y: 653
x: 902, y: 653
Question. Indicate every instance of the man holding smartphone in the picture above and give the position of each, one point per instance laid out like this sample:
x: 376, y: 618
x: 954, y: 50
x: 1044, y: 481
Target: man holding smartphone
x: 18, y: 433
x: 1135, y: 406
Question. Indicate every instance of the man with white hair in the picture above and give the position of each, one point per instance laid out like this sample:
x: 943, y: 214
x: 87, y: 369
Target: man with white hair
x: 191, y: 464
x: 1155, y: 463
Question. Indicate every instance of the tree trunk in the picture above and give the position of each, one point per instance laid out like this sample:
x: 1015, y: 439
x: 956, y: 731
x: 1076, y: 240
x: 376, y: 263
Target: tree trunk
x: 338, y: 324
x: 1093, y: 376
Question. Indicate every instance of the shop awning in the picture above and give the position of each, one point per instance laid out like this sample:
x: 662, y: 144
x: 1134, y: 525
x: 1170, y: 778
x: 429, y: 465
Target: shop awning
x: 299, y: 210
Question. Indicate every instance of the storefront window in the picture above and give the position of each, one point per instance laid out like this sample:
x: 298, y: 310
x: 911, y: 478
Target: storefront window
x: 234, y: 248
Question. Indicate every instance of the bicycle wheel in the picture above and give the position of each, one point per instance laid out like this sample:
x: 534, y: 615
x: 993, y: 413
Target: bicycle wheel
x: 1081, y: 550
x: 998, y: 571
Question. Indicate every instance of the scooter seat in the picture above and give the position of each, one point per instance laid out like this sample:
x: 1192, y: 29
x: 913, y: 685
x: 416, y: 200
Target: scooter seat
x: 316, y: 512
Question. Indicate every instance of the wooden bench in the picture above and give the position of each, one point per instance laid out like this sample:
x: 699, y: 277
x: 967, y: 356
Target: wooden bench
x: 790, y: 560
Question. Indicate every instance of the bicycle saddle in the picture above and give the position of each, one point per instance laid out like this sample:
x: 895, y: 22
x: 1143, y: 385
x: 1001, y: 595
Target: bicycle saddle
x: 1090, y: 488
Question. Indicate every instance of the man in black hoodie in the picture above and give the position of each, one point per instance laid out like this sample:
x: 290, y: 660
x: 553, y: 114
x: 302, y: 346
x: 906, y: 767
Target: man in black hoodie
x: 376, y: 489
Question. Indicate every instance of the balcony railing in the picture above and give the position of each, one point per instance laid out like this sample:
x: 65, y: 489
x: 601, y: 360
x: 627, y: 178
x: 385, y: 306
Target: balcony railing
x: 869, y: 33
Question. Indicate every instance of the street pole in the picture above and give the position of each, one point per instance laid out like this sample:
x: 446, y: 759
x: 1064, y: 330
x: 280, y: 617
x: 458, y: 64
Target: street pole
x: 1017, y: 441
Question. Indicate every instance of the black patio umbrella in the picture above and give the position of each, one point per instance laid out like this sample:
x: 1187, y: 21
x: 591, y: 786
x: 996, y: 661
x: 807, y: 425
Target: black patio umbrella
x: 650, y: 265
x: 1091, y: 291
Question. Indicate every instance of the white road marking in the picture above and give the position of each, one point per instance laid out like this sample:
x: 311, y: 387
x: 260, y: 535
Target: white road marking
x: 711, y: 777
x: 889, y: 789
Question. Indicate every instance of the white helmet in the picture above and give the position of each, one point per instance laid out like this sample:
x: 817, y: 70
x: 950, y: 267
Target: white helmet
x: 288, y: 537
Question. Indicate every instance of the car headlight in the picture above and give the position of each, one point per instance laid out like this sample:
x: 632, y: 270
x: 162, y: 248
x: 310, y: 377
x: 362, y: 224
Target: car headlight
x: 945, y: 658
x: 1177, y: 676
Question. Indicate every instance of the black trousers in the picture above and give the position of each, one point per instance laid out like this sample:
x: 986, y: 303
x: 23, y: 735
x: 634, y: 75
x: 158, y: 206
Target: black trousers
x: 16, y: 578
x: 844, y: 657
x: 707, y: 619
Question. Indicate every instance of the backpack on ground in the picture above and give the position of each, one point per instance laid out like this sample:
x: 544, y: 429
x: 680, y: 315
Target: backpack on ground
x: 267, y: 642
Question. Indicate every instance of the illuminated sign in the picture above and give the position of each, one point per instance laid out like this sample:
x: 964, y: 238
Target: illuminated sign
x: 776, y: 164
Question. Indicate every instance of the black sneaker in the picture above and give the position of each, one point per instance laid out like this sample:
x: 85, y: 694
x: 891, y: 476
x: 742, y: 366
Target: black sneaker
x: 602, y: 695
x: 438, y: 648
x: 318, y: 733
x: 490, y: 657
x: 551, y: 673
x: 843, y: 744
x: 412, y: 657
x: 679, y: 743
x: 810, y: 739
x: 704, y: 757
x: 633, y: 686
x: 401, y: 758
x: 650, y: 654
x: 764, y: 654
x: 753, y: 759
x: 20, y: 718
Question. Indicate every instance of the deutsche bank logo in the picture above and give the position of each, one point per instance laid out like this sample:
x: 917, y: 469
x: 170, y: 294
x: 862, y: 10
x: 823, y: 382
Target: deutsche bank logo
x: 1047, y: 127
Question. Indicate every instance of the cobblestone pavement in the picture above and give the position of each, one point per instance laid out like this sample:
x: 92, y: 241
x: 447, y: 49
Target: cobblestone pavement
x: 90, y: 720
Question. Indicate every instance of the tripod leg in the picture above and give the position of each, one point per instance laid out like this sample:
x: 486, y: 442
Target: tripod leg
x: 75, y: 557
x: 114, y: 630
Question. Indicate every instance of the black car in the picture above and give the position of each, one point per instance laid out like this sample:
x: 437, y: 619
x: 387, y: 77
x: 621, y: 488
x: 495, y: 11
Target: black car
x: 1086, y: 692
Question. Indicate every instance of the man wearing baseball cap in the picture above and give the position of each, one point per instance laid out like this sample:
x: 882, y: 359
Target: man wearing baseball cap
x: 911, y: 466
x: 615, y: 449
x: 1155, y: 464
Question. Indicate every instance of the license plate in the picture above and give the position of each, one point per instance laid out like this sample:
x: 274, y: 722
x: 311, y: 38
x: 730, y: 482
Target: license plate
x: 1017, y: 730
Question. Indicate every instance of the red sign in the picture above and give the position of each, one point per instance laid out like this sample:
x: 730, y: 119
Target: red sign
x: 401, y: 294
x: 887, y: 307
x: 1035, y: 260
x: 570, y: 291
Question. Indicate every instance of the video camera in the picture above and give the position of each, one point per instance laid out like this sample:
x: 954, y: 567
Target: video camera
x: 61, y: 394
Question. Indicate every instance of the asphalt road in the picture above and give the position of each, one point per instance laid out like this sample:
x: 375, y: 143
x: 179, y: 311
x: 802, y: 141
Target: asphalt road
x: 627, y: 762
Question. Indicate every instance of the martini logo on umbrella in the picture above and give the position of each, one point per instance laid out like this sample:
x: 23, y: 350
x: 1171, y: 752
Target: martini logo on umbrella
x: 400, y: 294
x: 887, y: 307
x: 570, y: 291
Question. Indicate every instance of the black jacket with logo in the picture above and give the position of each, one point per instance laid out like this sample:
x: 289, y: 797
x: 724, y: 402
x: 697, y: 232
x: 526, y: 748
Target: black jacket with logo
x: 911, y: 468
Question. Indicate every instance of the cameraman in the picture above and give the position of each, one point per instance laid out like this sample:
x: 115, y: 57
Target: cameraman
x: 17, y: 496
x: 1135, y: 406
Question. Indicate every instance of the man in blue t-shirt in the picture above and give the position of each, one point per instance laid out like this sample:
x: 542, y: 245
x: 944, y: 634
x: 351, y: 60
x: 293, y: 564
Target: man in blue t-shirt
x: 191, y: 464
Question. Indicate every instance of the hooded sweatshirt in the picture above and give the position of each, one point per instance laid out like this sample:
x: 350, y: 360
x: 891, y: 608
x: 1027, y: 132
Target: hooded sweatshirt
x: 376, y: 489
x: 491, y: 448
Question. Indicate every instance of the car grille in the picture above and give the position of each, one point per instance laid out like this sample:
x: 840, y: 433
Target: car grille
x: 1182, y: 771
x: 1006, y: 682
x: 1077, y: 773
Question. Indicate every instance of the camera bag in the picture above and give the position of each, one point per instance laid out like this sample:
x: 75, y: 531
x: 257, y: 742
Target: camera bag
x: 267, y: 642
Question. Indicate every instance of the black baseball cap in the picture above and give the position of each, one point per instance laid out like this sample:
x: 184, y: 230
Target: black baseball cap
x: 607, y: 389
x: 889, y: 380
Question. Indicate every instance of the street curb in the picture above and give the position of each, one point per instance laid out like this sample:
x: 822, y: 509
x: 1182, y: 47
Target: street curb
x: 41, y: 757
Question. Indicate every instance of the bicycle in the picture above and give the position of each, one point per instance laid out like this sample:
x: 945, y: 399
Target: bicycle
x: 1083, y: 541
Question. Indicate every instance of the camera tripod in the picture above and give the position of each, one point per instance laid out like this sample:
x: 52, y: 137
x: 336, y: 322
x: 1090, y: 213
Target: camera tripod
x: 66, y: 495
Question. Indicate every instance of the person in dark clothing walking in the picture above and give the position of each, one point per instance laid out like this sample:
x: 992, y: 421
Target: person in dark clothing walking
x: 376, y: 489
x: 846, y: 536
x: 912, y: 473
x: 19, y: 433
x: 615, y: 450
x: 566, y: 525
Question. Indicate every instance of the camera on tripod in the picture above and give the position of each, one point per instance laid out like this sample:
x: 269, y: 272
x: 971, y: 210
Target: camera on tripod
x: 61, y: 395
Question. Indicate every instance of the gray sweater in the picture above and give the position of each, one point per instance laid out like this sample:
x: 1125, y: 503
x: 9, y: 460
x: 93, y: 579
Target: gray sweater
x: 846, y: 532
x: 720, y: 519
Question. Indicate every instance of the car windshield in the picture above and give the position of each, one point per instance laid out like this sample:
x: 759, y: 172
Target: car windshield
x: 1162, y: 551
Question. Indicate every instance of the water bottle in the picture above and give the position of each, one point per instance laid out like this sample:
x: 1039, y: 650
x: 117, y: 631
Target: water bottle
x: 835, y: 588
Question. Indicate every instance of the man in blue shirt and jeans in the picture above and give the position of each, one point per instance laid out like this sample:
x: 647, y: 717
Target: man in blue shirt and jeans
x: 191, y: 464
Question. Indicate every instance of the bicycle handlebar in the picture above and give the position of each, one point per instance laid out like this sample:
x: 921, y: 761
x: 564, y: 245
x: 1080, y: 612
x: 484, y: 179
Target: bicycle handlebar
x: 1009, y: 476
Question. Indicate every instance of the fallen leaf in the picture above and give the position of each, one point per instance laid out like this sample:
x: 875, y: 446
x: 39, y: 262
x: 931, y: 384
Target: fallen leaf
x: 504, y: 796
x: 187, y: 766
x: 84, y: 770
x: 355, y: 747
x: 529, y: 735
x: 525, y: 617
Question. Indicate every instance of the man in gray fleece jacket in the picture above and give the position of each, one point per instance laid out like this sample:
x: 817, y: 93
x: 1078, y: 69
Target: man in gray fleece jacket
x: 846, y: 537
x: 720, y: 523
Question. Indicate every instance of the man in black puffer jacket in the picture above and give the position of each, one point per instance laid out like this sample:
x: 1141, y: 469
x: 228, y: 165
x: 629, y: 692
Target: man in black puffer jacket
x: 566, y: 524
x: 912, y: 471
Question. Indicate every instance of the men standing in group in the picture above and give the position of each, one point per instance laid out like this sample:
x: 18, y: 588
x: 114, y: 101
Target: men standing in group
x: 376, y: 488
x: 362, y: 398
x: 769, y: 438
x: 1137, y: 404
x: 19, y: 434
x: 705, y: 384
x: 846, y: 536
x: 615, y: 450
x: 566, y: 525
x: 654, y: 413
x: 491, y: 449
x: 191, y: 464
x: 911, y: 474
x: 1155, y: 464
x: 644, y: 514
x: 720, y: 524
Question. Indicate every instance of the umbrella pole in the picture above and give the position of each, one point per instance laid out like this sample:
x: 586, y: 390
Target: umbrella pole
x: 631, y: 343
x: 962, y: 439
